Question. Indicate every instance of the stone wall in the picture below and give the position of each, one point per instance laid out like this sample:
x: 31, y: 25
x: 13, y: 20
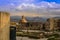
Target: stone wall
x: 4, y: 25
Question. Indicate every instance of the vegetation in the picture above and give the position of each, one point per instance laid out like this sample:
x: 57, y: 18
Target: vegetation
x: 54, y: 37
x: 28, y: 34
x: 37, y: 35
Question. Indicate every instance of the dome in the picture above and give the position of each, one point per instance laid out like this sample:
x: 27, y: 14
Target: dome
x: 23, y: 20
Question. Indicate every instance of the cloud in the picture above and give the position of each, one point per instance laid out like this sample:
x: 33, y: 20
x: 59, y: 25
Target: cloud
x: 30, y: 7
x: 42, y: 4
x: 45, y: 8
x: 33, y: 15
x: 27, y: 6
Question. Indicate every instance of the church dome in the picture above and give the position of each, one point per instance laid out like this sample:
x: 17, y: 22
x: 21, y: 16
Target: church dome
x: 23, y: 20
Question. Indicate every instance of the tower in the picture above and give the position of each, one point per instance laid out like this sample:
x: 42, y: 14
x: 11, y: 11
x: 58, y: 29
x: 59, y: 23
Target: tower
x: 4, y: 25
x: 51, y: 23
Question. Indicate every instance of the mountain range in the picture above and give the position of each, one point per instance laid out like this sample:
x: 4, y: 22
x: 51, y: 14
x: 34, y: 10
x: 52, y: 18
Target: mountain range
x: 29, y: 19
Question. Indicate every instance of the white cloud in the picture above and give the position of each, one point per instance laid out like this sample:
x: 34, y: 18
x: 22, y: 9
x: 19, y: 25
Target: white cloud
x: 45, y: 8
x: 42, y: 8
x: 39, y: 5
x: 49, y: 4
x: 27, y: 6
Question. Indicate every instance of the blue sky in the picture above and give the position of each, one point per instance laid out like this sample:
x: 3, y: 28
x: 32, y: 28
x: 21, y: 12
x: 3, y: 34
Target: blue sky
x: 31, y: 7
x: 5, y: 2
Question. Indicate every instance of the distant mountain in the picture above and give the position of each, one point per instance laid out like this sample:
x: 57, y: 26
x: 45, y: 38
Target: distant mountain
x: 36, y: 19
x: 15, y: 18
x: 30, y: 19
x: 57, y: 17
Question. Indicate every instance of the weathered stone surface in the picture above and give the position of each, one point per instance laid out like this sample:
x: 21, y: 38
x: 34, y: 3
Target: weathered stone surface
x: 4, y: 25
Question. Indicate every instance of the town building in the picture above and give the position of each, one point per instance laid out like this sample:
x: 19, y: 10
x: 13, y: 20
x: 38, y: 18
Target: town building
x: 52, y: 24
x: 24, y: 24
x: 57, y: 23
